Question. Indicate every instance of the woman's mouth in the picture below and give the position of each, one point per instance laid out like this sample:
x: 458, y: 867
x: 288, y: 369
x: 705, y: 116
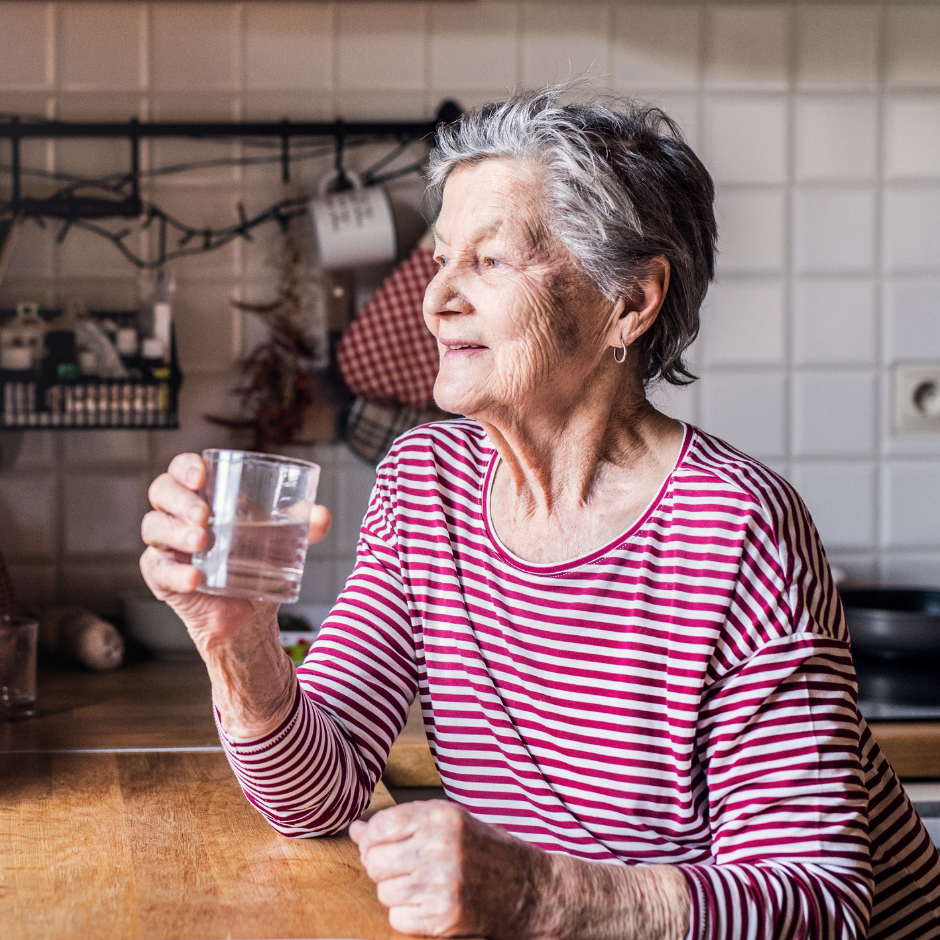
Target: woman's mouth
x: 462, y: 349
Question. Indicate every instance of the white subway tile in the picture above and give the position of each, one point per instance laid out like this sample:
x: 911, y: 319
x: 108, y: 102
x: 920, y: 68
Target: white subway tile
x: 912, y: 138
x: 911, y: 569
x: 319, y: 582
x: 93, y: 157
x: 836, y: 138
x: 561, y: 42
x: 28, y: 508
x: 84, y: 448
x: 178, y: 152
x: 107, y: 105
x: 194, y: 46
x: 747, y: 139
x: 83, y: 253
x: 199, y: 207
x: 201, y: 396
x: 381, y: 47
x: 100, y: 586
x: 288, y: 46
x: 834, y: 414
x: 834, y: 230
x: 473, y: 47
x: 294, y: 105
x: 747, y: 410
x: 354, y: 486
x: 743, y: 323
x: 343, y: 568
x: 751, y: 230
x: 911, y: 504
x: 837, y: 46
x: 34, y: 586
x: 25, y: 450
x: 912, y: 229
x: 203, y: 318
x: 23, y: 45
x: 911, y: 46
x: 39, y: 289
x: 33, y: 251
x: 91, y: 55
x: 103, y: 513
x: 677, y: 401
x: 383, y: 106
x: 860, y: 568
x: 841, y: 500
x: 656, y: 47
x: 834, y: 321
x: 912, y: 320
x: 747, y: 47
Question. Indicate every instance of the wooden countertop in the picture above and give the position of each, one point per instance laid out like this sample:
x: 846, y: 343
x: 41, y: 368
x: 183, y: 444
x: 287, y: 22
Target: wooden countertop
x: 122, y: 846
x: 150, y: 704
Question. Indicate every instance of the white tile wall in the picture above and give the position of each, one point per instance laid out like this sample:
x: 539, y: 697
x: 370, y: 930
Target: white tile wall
x: 820, y: 122
x: 834, y: 230
x: 834, y: 413
x: 836, y: 138
x: 834, y: 321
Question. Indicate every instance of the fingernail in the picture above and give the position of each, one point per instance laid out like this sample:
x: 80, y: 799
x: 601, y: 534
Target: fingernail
x: 192, y: 477
x: 192, y: 539
x: 195, y: 514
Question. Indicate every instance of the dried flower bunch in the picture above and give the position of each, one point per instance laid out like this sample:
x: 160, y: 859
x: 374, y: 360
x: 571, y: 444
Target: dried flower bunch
x: 277, y: 378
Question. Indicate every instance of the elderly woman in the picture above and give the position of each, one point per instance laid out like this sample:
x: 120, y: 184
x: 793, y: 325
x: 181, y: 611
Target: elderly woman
x: 631, y: 659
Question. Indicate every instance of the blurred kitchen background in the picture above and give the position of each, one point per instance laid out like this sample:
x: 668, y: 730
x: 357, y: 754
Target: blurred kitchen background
x: 819, y: 122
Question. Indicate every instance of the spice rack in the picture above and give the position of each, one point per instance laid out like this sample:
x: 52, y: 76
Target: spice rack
x: 55, y: 394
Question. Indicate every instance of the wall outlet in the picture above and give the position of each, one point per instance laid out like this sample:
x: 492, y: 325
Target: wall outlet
x: 917, y: 397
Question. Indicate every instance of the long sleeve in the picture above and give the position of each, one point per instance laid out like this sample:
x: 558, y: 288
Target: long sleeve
x: 318, y: 771
x: 787, y: 801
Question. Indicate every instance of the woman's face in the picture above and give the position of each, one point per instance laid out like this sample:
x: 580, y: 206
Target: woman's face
x: 518, y: 326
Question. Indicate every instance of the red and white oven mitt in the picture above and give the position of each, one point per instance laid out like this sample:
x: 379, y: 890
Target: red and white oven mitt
x: 387, y: 353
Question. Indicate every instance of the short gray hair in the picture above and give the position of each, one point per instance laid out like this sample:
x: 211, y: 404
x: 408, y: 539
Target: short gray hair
x: 623, y: 188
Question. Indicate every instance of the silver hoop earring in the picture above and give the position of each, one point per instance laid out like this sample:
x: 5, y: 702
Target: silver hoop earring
x: 623, y: 358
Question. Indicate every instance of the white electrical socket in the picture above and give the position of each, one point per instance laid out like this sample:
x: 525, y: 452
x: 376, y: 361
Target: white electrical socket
x: 917, y: 397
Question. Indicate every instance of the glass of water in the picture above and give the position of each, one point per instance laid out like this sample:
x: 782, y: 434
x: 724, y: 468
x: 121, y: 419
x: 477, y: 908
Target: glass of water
x: 259, y: 510
x: 19, y: 637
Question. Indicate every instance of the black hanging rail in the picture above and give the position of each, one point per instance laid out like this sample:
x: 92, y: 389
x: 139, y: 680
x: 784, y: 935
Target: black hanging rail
x: 91, y: 207
x: 83, y: 203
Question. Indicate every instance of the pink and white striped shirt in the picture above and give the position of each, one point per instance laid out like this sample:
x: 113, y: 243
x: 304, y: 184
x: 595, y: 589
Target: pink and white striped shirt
x: 684, y: 695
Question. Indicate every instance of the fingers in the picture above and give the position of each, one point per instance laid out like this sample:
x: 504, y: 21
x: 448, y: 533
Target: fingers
x: 188, y: 470
x: 164, y: 531
x: 166, y: 575
x: 390, y: 825
x: 168, y: 495
x: 320, y: 520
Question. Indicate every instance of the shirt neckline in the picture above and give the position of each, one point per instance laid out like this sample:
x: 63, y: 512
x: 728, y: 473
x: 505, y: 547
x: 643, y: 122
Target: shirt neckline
x: 569, y: 565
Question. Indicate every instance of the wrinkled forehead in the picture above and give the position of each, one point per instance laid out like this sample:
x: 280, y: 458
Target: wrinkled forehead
x: 495, y: 199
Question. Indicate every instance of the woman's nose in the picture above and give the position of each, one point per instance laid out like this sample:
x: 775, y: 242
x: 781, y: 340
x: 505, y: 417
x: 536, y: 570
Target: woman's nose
x: 444, y: 296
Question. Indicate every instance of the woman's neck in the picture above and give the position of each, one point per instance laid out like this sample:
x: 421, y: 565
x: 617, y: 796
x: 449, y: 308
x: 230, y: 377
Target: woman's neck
x: 571, y: 479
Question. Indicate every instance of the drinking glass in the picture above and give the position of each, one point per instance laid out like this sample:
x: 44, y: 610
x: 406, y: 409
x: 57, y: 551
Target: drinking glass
x: 259, y: 509
x: 18, y: 640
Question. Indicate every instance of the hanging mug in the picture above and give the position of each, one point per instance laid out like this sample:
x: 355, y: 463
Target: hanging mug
x: 354, y: 227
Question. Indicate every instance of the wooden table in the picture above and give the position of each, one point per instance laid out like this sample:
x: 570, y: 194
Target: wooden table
x: 120, y: 818
x: 151, y: 704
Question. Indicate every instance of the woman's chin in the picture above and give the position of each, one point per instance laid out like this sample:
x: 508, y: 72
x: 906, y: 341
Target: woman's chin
x: 455, y: 399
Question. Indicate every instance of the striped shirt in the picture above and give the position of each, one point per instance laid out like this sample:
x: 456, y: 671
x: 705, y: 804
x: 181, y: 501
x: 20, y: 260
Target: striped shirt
x: 683, y: 695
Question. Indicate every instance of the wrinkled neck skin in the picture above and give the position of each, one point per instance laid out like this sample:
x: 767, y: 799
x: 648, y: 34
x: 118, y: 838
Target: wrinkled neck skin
x: 577, y: 469
x: 558, y: 451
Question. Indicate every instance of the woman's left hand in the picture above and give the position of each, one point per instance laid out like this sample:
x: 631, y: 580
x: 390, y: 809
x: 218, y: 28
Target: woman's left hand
x: 442, y: 873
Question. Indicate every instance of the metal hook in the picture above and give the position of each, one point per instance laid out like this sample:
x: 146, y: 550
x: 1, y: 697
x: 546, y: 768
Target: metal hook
x: 285, y: 151
x: 343, y: 182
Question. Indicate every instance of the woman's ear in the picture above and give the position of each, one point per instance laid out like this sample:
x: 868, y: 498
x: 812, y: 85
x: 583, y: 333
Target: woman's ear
x: 636, y: 314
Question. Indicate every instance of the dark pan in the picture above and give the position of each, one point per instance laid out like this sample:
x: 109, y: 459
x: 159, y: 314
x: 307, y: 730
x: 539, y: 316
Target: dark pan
x: 893, y: 621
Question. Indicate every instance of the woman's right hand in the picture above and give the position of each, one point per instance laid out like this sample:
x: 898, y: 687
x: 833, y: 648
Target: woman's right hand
x: 252, y: 678
x: 176, y: 527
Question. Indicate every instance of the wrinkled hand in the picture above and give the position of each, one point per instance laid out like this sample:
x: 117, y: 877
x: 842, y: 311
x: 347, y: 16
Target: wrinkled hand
x: 442, y: 873
x: 177, y: 527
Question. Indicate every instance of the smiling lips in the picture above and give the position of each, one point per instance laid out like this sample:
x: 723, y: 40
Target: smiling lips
x: 455, y: 347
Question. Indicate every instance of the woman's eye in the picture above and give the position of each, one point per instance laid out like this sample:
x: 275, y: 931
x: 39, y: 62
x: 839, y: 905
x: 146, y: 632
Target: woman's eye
x: 440, y: 261
x: 492, y: 262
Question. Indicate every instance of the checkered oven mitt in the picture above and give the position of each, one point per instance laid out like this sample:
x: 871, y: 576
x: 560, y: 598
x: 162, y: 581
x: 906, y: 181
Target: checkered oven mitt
x: 387, y: 355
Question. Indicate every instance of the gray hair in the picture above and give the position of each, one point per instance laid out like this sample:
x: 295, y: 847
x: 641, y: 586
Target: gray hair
x: 622, y: 186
